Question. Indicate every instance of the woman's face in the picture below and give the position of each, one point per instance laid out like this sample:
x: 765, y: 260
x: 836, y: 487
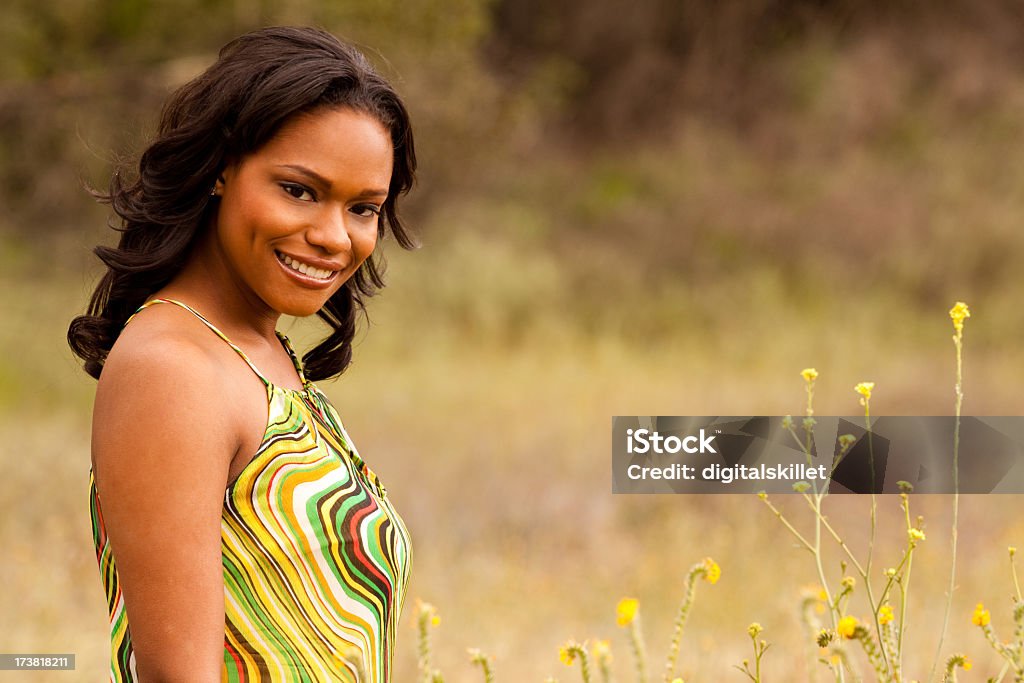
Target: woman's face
x: 299, y: 216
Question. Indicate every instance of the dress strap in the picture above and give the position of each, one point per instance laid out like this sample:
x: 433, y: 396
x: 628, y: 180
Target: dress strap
x: 220, y: 334
x: 295, y: 358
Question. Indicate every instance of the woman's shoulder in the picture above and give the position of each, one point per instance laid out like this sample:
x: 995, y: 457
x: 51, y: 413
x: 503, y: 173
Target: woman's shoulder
x: 163, y: 386
x: 159, y: 343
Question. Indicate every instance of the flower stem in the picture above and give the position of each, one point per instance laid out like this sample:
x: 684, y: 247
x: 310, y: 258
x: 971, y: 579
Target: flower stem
x: 636, y: 639
x: 958, y: 341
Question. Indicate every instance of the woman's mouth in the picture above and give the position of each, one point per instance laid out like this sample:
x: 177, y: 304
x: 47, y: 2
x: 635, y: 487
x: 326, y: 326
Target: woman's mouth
x: 305, y: 272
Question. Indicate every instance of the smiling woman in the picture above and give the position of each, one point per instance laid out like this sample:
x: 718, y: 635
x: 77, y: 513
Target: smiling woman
x: 241, y: 536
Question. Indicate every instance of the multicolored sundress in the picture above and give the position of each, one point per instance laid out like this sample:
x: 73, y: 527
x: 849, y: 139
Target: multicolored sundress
x: 316, y: 561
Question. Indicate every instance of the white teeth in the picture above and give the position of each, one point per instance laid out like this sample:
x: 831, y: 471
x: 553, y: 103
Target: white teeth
x: 304, y: 268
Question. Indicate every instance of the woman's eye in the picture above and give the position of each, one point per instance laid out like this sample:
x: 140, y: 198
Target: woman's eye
x: 298, y: 191
x: 366, y: 210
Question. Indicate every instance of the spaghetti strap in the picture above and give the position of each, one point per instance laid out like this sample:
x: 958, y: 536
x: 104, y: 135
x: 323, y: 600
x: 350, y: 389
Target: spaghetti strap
x: 295, y: 358
x: 220, y: 334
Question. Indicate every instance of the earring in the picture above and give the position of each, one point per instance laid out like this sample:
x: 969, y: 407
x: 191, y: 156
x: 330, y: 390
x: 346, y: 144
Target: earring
x: 213, y: 191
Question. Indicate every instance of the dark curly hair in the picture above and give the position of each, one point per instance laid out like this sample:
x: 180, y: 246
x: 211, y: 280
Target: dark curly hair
x: 259, y: 81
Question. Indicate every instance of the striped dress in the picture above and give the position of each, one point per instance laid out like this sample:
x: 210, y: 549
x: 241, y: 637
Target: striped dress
x: 316, y: 561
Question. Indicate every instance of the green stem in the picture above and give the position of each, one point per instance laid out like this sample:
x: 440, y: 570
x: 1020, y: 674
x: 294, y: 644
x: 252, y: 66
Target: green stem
x: 639, y: 652
x: 585, y: 665
x: 833, y: 608
x: 958, y: 340
x: 778, y: 513
x: 904, y: 586
x: 680, y: 622
x: 423, y: 649
x: 1013, y: 571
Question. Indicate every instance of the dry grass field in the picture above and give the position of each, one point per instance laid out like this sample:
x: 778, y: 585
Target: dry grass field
x: 497, y: 455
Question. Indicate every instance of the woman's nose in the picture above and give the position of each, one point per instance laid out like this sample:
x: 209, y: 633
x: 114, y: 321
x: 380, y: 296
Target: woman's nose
x: 330, y: 231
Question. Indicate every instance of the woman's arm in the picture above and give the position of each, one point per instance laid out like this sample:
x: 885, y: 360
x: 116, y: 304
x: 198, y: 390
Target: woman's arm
x: 162, y: 445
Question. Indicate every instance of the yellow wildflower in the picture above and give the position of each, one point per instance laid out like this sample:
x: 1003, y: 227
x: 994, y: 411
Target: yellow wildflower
x: 865, y: 389
x: 981, y: 616
x: 754, y: 629
x: 712, y: 572
x: 626, y: 611
x: 847, y: 626
x: 885, y: 615
x: 957, y: 314
x: 567, y: 655
x: 966, y: 664
x: 809, y: 374
x: 915, y: 535
x: 427, y: 613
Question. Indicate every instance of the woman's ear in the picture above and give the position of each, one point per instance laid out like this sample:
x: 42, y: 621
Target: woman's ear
x: 226, y: 171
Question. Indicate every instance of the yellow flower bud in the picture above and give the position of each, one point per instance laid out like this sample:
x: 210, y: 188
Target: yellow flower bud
x: 957, y: 314
x: 626, y: 611
x: 981, y: 616
x: 865, y: 389
x: 712, y: 572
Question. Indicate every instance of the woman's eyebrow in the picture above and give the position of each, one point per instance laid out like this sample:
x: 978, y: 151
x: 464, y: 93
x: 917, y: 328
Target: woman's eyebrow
x: 313, y: 175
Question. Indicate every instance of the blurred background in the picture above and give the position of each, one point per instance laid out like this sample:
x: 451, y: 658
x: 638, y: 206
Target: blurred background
x: 625, y: 208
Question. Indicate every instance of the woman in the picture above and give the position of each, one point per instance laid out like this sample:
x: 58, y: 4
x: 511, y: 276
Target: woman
x: 241, y: 536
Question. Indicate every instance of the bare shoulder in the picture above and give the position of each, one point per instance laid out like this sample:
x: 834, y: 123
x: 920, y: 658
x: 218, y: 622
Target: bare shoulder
x: 163, y: 385
x: 160, y: 336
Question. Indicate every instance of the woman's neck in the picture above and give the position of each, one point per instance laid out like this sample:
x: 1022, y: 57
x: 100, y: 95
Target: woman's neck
x: 206, y: 284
